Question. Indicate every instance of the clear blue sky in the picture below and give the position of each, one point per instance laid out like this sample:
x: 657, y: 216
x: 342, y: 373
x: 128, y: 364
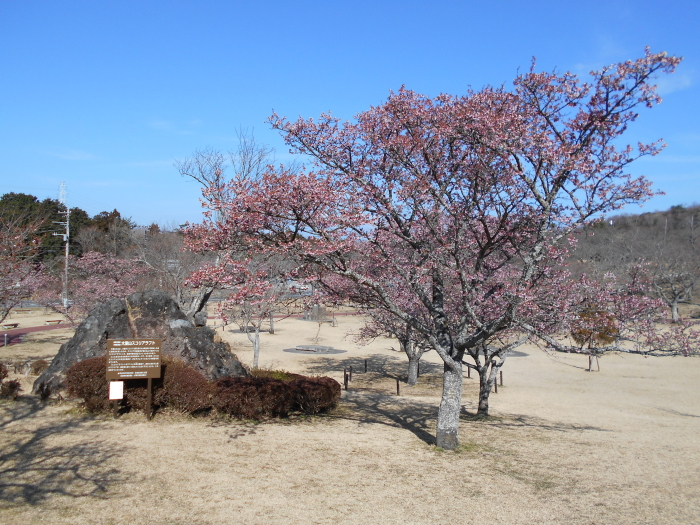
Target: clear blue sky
x: 106, y: 95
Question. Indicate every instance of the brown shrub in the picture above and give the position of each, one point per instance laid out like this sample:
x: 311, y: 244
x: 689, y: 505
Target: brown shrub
x: 179, y: 386
x: 87, y: 380
x: 3, y: 371
x: 313, y: 395
x: 136, y: 392
x: 183, y: 388
x: 257, y: 397
x: 10, y: 389
x: 252, y: 397
x: 38, y: 367
x: 282, y: 375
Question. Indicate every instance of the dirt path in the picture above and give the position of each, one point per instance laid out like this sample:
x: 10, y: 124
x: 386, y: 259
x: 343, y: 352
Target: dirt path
x: 15, y: 335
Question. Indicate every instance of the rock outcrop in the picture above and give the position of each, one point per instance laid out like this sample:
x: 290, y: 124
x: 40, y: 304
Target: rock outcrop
x: 144, y: 314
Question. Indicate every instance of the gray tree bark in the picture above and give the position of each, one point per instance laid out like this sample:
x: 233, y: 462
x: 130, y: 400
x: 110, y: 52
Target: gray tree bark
x: 255, y: 339
x: 488, y: 373
x: 447, y: 435
x: 413, y: 370
x: 674, y: 310
x: 414, y: 352
x: 199, y: 301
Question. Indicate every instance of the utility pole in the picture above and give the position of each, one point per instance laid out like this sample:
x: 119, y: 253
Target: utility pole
x: 66, y: 239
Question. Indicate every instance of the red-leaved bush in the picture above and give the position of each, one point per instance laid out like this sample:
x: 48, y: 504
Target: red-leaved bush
x: 252, y: 397
x: 87, y: 380
x: 184, y: 389
x: 315, y: 394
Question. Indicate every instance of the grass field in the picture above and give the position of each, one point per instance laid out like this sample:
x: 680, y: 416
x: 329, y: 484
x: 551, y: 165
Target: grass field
x: 563, y: 446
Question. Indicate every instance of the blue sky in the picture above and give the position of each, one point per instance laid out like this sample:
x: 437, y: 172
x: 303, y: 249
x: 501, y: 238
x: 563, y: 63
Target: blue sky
x: 107, y: 95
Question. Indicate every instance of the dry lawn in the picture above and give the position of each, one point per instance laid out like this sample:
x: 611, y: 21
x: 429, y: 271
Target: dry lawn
x: 563, y: 446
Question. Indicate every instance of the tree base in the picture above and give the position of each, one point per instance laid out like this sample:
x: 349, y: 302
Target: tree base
x: 447, y: 439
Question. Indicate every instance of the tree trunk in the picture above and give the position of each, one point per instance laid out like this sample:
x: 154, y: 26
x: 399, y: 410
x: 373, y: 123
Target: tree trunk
x: 450, y: 407
x: 674, y: 310
x: 487, y: 377
x: 413, y: 361
x: 256, y: 349
x: 414, y: 353
x: 484, y: 391
x: 198, y: 301
x: 272, y: 323
x: 255, y: 339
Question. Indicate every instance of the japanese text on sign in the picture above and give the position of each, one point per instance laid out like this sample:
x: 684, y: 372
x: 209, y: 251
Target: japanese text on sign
x: 133, y: 358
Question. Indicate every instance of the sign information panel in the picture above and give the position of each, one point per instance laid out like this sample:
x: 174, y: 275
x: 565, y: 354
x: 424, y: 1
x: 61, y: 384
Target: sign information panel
x: 116, y: 390
x: 133, y: 358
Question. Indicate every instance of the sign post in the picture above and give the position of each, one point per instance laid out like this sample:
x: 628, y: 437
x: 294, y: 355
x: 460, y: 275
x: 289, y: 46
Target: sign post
x: 116, y: 394
x: 134, y: 359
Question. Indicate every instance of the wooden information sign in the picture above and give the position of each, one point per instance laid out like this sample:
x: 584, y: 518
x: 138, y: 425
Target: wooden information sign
x: 133, y: 359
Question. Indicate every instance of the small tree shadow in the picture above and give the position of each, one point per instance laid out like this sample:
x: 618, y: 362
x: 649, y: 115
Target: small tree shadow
x: 387, y: 366
x: 32, y: 468
x: 518, y: 421
x: 410, y: 414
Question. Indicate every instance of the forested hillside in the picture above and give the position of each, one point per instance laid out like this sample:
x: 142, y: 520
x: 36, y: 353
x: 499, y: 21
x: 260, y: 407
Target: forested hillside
x: 663, y: 247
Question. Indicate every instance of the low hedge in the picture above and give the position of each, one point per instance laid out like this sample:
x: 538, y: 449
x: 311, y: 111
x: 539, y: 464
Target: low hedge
x: 267, y: 393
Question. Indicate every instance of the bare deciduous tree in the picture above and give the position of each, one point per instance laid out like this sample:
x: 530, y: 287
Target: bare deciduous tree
x: 208, y: 167
x: 163, y: 251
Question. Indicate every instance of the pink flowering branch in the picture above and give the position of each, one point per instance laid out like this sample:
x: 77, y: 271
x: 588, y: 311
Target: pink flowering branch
x: 453, y: 215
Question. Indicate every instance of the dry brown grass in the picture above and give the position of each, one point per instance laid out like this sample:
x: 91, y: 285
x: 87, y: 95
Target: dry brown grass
x: 563, y: 446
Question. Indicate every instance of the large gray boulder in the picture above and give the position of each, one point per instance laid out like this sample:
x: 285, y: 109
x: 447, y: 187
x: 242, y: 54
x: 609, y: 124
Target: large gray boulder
x: 144, y: 314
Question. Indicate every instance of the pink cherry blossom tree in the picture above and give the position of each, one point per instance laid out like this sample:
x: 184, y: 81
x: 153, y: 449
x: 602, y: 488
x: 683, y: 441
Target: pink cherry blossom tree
x: 95, y: 277
x: 464, y: 206
x: 18, y: 271
x: 257, y: 291
x: 380, y: 322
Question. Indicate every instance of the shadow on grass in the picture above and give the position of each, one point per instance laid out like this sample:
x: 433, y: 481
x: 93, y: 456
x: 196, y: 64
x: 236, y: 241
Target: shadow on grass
x: 379, y: 409
x: 516, y: 421
x: 386, y: 366
x: 32, y: 468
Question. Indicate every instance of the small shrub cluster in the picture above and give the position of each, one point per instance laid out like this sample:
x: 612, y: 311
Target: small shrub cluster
x: 38, y: 367
x: 315, y: 394
x: 266, y: 393
x: 252, y: 397
x: 87, y: 380
x: 8, y: 389
x: 183, y: 388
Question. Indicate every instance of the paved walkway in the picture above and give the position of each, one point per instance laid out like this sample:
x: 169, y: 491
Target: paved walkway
x: 14, y: 336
